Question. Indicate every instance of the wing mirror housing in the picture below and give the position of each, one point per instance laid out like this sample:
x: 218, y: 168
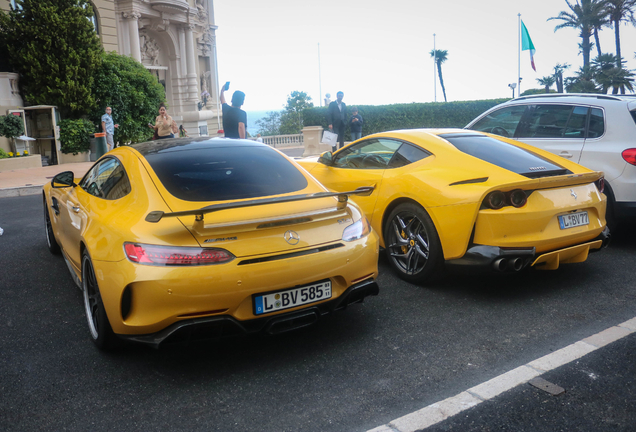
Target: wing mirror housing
x: 326, y: 158
x: 63, y: 180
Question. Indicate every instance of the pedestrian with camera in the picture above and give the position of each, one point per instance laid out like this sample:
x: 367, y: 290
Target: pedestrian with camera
x: 234, y: 118
x: 336, y: 115
x: 165, y: 126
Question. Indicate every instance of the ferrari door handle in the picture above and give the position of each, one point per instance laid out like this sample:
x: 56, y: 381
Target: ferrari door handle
x: 76, y: 209
x: 567, y: 155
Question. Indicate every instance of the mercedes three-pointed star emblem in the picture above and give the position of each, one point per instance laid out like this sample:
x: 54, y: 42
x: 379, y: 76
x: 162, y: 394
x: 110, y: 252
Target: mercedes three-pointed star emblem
x: 291, y: 237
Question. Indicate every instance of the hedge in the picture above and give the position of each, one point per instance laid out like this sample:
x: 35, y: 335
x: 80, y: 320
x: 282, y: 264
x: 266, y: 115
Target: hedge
x: 380, y: 118
x: 75, y: 135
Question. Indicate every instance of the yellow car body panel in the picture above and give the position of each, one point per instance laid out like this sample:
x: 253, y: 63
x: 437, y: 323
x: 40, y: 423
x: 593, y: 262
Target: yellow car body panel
x: 451, y: 186
x: 160, y: 296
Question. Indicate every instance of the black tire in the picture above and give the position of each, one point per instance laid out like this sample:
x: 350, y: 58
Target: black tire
x: 610, y: 217
x: 412, y: 245
x: 51, y: 241
x: 98, y: 325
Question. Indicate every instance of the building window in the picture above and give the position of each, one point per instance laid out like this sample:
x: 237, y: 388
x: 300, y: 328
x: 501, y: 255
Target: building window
x: 15, y: 6
x: 94, y: 19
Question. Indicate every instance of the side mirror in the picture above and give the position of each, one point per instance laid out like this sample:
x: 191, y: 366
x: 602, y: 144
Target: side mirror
x: 326, y: 159
x: 63, y: 180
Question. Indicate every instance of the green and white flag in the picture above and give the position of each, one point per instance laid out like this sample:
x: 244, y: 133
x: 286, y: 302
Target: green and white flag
x: 526, y: 44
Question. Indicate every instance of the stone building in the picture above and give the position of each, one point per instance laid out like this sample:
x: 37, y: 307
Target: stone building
x: 174, y: 39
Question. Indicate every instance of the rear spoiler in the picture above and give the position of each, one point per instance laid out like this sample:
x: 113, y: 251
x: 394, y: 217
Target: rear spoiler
x: 343, y: 197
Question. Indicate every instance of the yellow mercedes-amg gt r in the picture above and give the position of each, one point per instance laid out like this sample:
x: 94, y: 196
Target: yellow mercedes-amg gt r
x: 203, y: 238
x: 469, y: 198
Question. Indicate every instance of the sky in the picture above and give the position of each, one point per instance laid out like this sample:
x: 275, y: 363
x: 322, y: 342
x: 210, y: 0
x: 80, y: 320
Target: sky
x: 378, y: 52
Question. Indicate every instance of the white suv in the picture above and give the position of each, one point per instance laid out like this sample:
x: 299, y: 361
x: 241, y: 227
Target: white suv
x: 595, y: 130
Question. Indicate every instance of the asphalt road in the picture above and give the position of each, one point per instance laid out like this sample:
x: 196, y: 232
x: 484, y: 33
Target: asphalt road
x: 405, y: 349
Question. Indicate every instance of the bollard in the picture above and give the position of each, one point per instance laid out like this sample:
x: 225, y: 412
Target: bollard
x: 100, y: 145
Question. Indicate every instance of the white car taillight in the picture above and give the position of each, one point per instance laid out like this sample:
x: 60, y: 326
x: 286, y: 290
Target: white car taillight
x: 630, y: 156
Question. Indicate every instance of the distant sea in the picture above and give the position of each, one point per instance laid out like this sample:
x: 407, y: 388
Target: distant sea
x: 253, y: 117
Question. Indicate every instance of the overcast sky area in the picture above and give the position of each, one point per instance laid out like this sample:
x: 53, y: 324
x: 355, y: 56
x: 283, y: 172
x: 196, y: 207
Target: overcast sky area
x: 378, y: 52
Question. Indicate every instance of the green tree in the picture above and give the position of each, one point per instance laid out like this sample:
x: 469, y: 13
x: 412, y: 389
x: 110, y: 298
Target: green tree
x: 132, y: 92
x: 53, y: 45
x: 620, y: 11
x: 11, y: 126
x: 440, y: 57
x: 547, y: 82
x: 75, y: 135
x: 608, y: 76
x: 558, y: 75
x: 270, y: 124
x: 291, y: 120
x: 585, y: 16
x: 583, y: 82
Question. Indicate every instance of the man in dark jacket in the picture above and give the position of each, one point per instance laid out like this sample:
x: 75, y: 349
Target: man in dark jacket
x: 336, y: 115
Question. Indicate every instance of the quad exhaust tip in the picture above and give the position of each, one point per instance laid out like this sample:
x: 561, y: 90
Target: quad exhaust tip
x: 509, y: 264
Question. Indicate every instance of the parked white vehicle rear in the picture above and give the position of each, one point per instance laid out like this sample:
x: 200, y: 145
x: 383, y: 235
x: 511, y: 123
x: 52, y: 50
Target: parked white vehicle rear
x: 594, y: 130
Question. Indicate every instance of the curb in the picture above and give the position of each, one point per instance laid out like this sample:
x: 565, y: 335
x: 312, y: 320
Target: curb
x: 20, y: 191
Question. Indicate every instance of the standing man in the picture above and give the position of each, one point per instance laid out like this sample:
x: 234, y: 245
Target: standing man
x: 336, y: 114
x: 234, y: 118
x: 108, y: 126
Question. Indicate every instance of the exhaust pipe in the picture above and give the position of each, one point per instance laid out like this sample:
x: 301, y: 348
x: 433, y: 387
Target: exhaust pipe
x: 516, y: 264
x: 500, y: 264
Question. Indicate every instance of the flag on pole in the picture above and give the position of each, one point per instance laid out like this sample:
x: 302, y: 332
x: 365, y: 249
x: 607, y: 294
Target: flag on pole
x: 526, y: 44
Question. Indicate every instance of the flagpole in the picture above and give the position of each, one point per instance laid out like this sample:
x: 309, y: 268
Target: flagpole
x: 434, y: 76
x: 519, y: 55
x: 319, y: 78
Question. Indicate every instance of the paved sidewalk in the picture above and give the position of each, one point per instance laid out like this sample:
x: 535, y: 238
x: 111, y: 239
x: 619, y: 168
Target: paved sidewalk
x: 29, y: 181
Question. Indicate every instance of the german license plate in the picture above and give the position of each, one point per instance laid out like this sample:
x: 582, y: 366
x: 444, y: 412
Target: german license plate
x: 281, y: 300
x: 573, y: 220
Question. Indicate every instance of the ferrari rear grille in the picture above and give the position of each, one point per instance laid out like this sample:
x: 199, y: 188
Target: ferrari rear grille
x: 291, y: 255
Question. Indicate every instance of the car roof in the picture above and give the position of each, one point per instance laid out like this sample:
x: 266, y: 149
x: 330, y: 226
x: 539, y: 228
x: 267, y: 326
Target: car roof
x: 184, y: 144
x: 575, y: 97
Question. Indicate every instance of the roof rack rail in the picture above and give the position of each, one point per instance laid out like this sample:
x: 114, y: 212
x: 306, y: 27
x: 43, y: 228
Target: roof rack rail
x: 582, y: 95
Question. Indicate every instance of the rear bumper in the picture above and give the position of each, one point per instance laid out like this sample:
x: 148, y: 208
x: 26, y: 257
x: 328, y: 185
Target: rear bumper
x: 216, y: 327
x: 515, y: 259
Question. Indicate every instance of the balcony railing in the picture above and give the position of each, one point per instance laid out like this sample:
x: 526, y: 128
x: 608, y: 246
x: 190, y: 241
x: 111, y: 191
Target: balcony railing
x: 279, y: 141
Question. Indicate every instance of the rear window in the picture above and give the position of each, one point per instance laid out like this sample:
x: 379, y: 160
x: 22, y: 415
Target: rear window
x: 505, y: 155
x: 225, y: 173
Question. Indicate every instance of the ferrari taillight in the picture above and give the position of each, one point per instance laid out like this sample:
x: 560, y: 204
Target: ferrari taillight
x: 600, y: 184
x: 175, y: 256
x: 630, y: 156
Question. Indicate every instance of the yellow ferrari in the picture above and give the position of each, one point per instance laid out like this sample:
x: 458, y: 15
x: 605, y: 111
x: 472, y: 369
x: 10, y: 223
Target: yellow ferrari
x: 455, y: 197
x: 186, y: 239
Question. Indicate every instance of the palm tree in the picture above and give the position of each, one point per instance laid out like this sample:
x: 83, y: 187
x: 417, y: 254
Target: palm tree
x: 608, y: 75
x: 547, y: 82
x: 617, y: 11
x: 584, y: 16
x: 558, y: 75
x: 440, y: 57
x: 598, y: 20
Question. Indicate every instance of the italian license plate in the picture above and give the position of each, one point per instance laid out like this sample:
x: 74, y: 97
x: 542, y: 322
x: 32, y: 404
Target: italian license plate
x: 573, y: 220
x: 281, y: 300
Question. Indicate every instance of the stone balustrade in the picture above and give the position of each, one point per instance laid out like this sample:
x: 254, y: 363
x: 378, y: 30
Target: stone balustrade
x: 309, y: 139
x: 279, y: 141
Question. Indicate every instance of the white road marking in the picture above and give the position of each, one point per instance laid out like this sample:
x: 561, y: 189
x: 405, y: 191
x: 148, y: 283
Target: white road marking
x: 440, y: 411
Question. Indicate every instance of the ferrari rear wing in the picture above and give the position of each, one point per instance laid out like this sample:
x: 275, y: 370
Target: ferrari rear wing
x: 343, y: 197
